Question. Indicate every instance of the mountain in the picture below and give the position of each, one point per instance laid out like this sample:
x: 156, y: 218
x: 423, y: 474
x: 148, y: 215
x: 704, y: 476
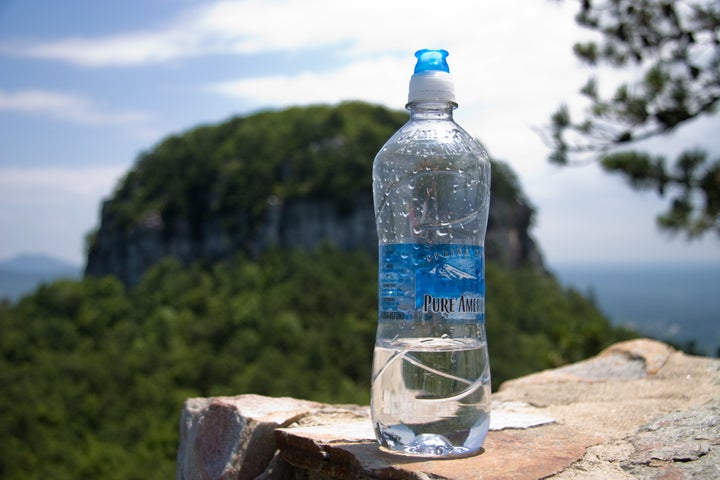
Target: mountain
x: 37, y: 263
x: 23, y: 273
x: 94, y: 373
x: 295, y: 178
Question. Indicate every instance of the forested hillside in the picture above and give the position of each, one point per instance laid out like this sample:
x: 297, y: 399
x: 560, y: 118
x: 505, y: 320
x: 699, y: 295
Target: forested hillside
x: 294, y: 178
x: 94, y: 376
x: 94, y: 372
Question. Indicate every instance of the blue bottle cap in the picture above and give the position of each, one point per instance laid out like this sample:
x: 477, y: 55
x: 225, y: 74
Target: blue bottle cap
x: 431, y: 59
x: 431, y: 80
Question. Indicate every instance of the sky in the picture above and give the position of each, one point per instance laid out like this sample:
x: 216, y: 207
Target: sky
x: 87, y: 86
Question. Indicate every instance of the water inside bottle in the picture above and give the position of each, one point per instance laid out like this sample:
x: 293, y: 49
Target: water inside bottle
x: 431, y: 396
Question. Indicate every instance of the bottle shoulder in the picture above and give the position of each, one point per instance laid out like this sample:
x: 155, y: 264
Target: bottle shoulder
x: 427, y: 139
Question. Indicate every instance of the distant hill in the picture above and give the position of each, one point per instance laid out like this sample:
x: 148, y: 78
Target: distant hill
x: 294, y: 178
x: 22, y: 274
x: 37, y: 263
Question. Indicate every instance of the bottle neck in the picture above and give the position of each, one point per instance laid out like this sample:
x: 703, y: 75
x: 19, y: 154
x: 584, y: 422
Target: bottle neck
x: 431, y: 110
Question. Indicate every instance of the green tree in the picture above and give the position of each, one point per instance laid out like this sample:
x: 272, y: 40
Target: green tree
x: 94, y: 375
x: 94, y: 372
x: 676, y: 46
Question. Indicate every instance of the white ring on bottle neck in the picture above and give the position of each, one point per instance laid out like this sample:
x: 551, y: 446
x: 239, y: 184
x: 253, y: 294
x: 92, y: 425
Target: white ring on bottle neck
x: 431, y: 85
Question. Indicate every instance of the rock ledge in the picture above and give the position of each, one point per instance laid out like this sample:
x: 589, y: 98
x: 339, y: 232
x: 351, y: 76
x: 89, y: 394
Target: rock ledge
x: 639, y: 409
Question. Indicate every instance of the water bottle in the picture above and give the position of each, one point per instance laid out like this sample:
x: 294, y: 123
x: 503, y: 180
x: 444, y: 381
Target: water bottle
x: 430, y: 391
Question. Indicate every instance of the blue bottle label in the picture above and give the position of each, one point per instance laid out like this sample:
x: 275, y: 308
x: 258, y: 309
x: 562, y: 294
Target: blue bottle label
x: 419, y: 281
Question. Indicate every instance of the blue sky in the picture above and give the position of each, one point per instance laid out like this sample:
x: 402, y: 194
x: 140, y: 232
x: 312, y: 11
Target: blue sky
x: 86, y: 86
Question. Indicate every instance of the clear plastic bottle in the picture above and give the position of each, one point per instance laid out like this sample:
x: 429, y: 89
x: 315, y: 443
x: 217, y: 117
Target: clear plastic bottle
x: 431, y: 376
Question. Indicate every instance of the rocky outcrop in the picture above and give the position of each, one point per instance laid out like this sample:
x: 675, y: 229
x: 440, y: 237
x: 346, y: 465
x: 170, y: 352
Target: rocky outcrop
x: 307, y: 223
x: 232, y: 437
x: 299, y: 223
x: 508, y: 239
x: 638, y: 410
x: 297, y: 178
x: 128, y: 252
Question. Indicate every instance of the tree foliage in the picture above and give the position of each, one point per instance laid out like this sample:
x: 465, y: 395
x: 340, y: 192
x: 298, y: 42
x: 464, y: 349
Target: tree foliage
x: 227, y: 172
x: 94, y: 376
x: 676, y: 46
x: 94, y: 373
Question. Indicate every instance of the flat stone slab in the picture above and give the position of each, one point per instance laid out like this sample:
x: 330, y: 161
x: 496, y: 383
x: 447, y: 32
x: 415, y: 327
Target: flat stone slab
x: 638, y: 410
x: 232, y: 437
x: 349, y: 451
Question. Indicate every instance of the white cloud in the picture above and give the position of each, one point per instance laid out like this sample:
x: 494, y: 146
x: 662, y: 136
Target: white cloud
x: 511, y: 69
x: 588, y: 216
x: 52, y: 207
x: 67, y: 107
x: 31, y: 181
x: 211, y: 28
x: 381, y: 80
x: 256, y: 26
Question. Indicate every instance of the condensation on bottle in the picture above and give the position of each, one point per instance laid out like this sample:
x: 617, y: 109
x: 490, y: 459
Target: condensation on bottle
x: 430, y: 393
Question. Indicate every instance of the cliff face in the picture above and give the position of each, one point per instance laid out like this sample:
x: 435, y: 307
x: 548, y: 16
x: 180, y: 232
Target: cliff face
x: 181, y: 202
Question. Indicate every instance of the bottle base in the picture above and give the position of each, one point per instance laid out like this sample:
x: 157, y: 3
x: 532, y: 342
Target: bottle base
x: 435, y: 447
x: 427, y: 445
